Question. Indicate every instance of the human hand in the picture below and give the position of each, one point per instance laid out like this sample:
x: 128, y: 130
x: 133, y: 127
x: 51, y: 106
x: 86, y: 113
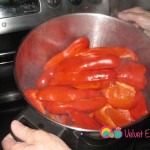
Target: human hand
x: 33, y: 139
x: 139, y: 17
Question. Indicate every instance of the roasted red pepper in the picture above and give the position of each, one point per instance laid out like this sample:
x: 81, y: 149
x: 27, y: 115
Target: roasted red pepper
x: 101, y: 117
x: 122, y: 52
x: 120, y: 95
x: 119, y: 118
x: 85, y: 79
x: 84, y: 105
x: 113, y: 117
x: 44, y: 79
x: 78, y: 45
x: 140, y: 108
x: 82, y: 120
x: 90, y: 62
x: 30, y: 94
x: 65, y: 93
x: 132, y: 74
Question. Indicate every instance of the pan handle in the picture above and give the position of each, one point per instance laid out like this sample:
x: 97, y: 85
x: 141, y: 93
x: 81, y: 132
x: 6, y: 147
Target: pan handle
x: 33, y: 119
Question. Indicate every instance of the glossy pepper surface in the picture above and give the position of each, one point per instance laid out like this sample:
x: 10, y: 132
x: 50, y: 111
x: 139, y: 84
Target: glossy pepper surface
x: 78, y: 45
x: 84, y: 79
x: 82, y: 120
x: 132, y: 73
x: 31, y: 96
x: 122, y: 52
x: 84, y: 105
x: 65, y: 93
x: 90, y: 62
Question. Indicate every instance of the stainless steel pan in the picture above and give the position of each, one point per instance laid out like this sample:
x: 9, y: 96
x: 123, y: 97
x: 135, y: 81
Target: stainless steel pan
x: 55, y: 35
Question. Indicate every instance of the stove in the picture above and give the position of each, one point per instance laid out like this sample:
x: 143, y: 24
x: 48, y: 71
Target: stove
x: 17, y: 19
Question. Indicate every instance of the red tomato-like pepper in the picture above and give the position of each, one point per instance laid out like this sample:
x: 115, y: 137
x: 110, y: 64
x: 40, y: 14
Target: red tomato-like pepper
x: 78, y: 45
x: 43, y: 80
x: 82, y: 120
x: 90, y: 62
x: 84, y: 105
x: 122, y: 52
x: 140, y: 108
x: 120, y: 95
x: 65, y: 93
x: 31, y: 96
x: 132, y: 74
x: 85, y: 79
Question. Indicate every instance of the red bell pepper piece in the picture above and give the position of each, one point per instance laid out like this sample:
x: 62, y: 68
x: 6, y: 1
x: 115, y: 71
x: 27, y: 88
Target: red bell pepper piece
x: 122, y: 52
x: 65, y: 93
x: 85, y: 79
x: 113, y: 117
x: 119, y: 118
x: 44, y: 79
x: 78, y: 45
x: 90, y: 62
x: 84, y: 105
x: 140, y: 109
x: 101, y: 117
x: 132, y: 74
x: 30, y: 94
x: 82, y: 120
x: 120, y: 95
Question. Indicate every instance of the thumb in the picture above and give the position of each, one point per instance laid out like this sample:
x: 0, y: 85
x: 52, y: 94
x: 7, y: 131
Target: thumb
x: 22, y: 132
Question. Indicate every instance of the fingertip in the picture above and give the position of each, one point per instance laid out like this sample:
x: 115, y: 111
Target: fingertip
x: 122, y: 15
x: 15, y: 125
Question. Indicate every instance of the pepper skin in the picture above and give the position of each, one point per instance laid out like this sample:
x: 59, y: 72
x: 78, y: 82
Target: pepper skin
x: 82, y: 120
x: 85, y: 79
x: 90, y: 62
x: 120, y: 95
x: 78, y: 45
x: 44, y: 79
x: 140, y: 108
x: 113, y: 117
x: 101, y: 117
x: 132, y: 74
x: 119, y: 118
x: 65, y: 93
x: 30, y: 94
x: 122, y: 52
x: 84, y: 105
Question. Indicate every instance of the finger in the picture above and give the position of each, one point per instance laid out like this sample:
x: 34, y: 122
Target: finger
x: 134, y: 17
x: 8, y: 140
x: 9, y: 143
x: 135, y: 10
x: 22, y: 132
x: 147, y: 33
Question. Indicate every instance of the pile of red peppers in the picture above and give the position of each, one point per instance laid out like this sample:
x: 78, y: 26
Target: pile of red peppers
x: 91, y: 87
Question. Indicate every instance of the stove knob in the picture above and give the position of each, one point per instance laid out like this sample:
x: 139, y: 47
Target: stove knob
x: 53, y: 3
x: 76, y: 2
